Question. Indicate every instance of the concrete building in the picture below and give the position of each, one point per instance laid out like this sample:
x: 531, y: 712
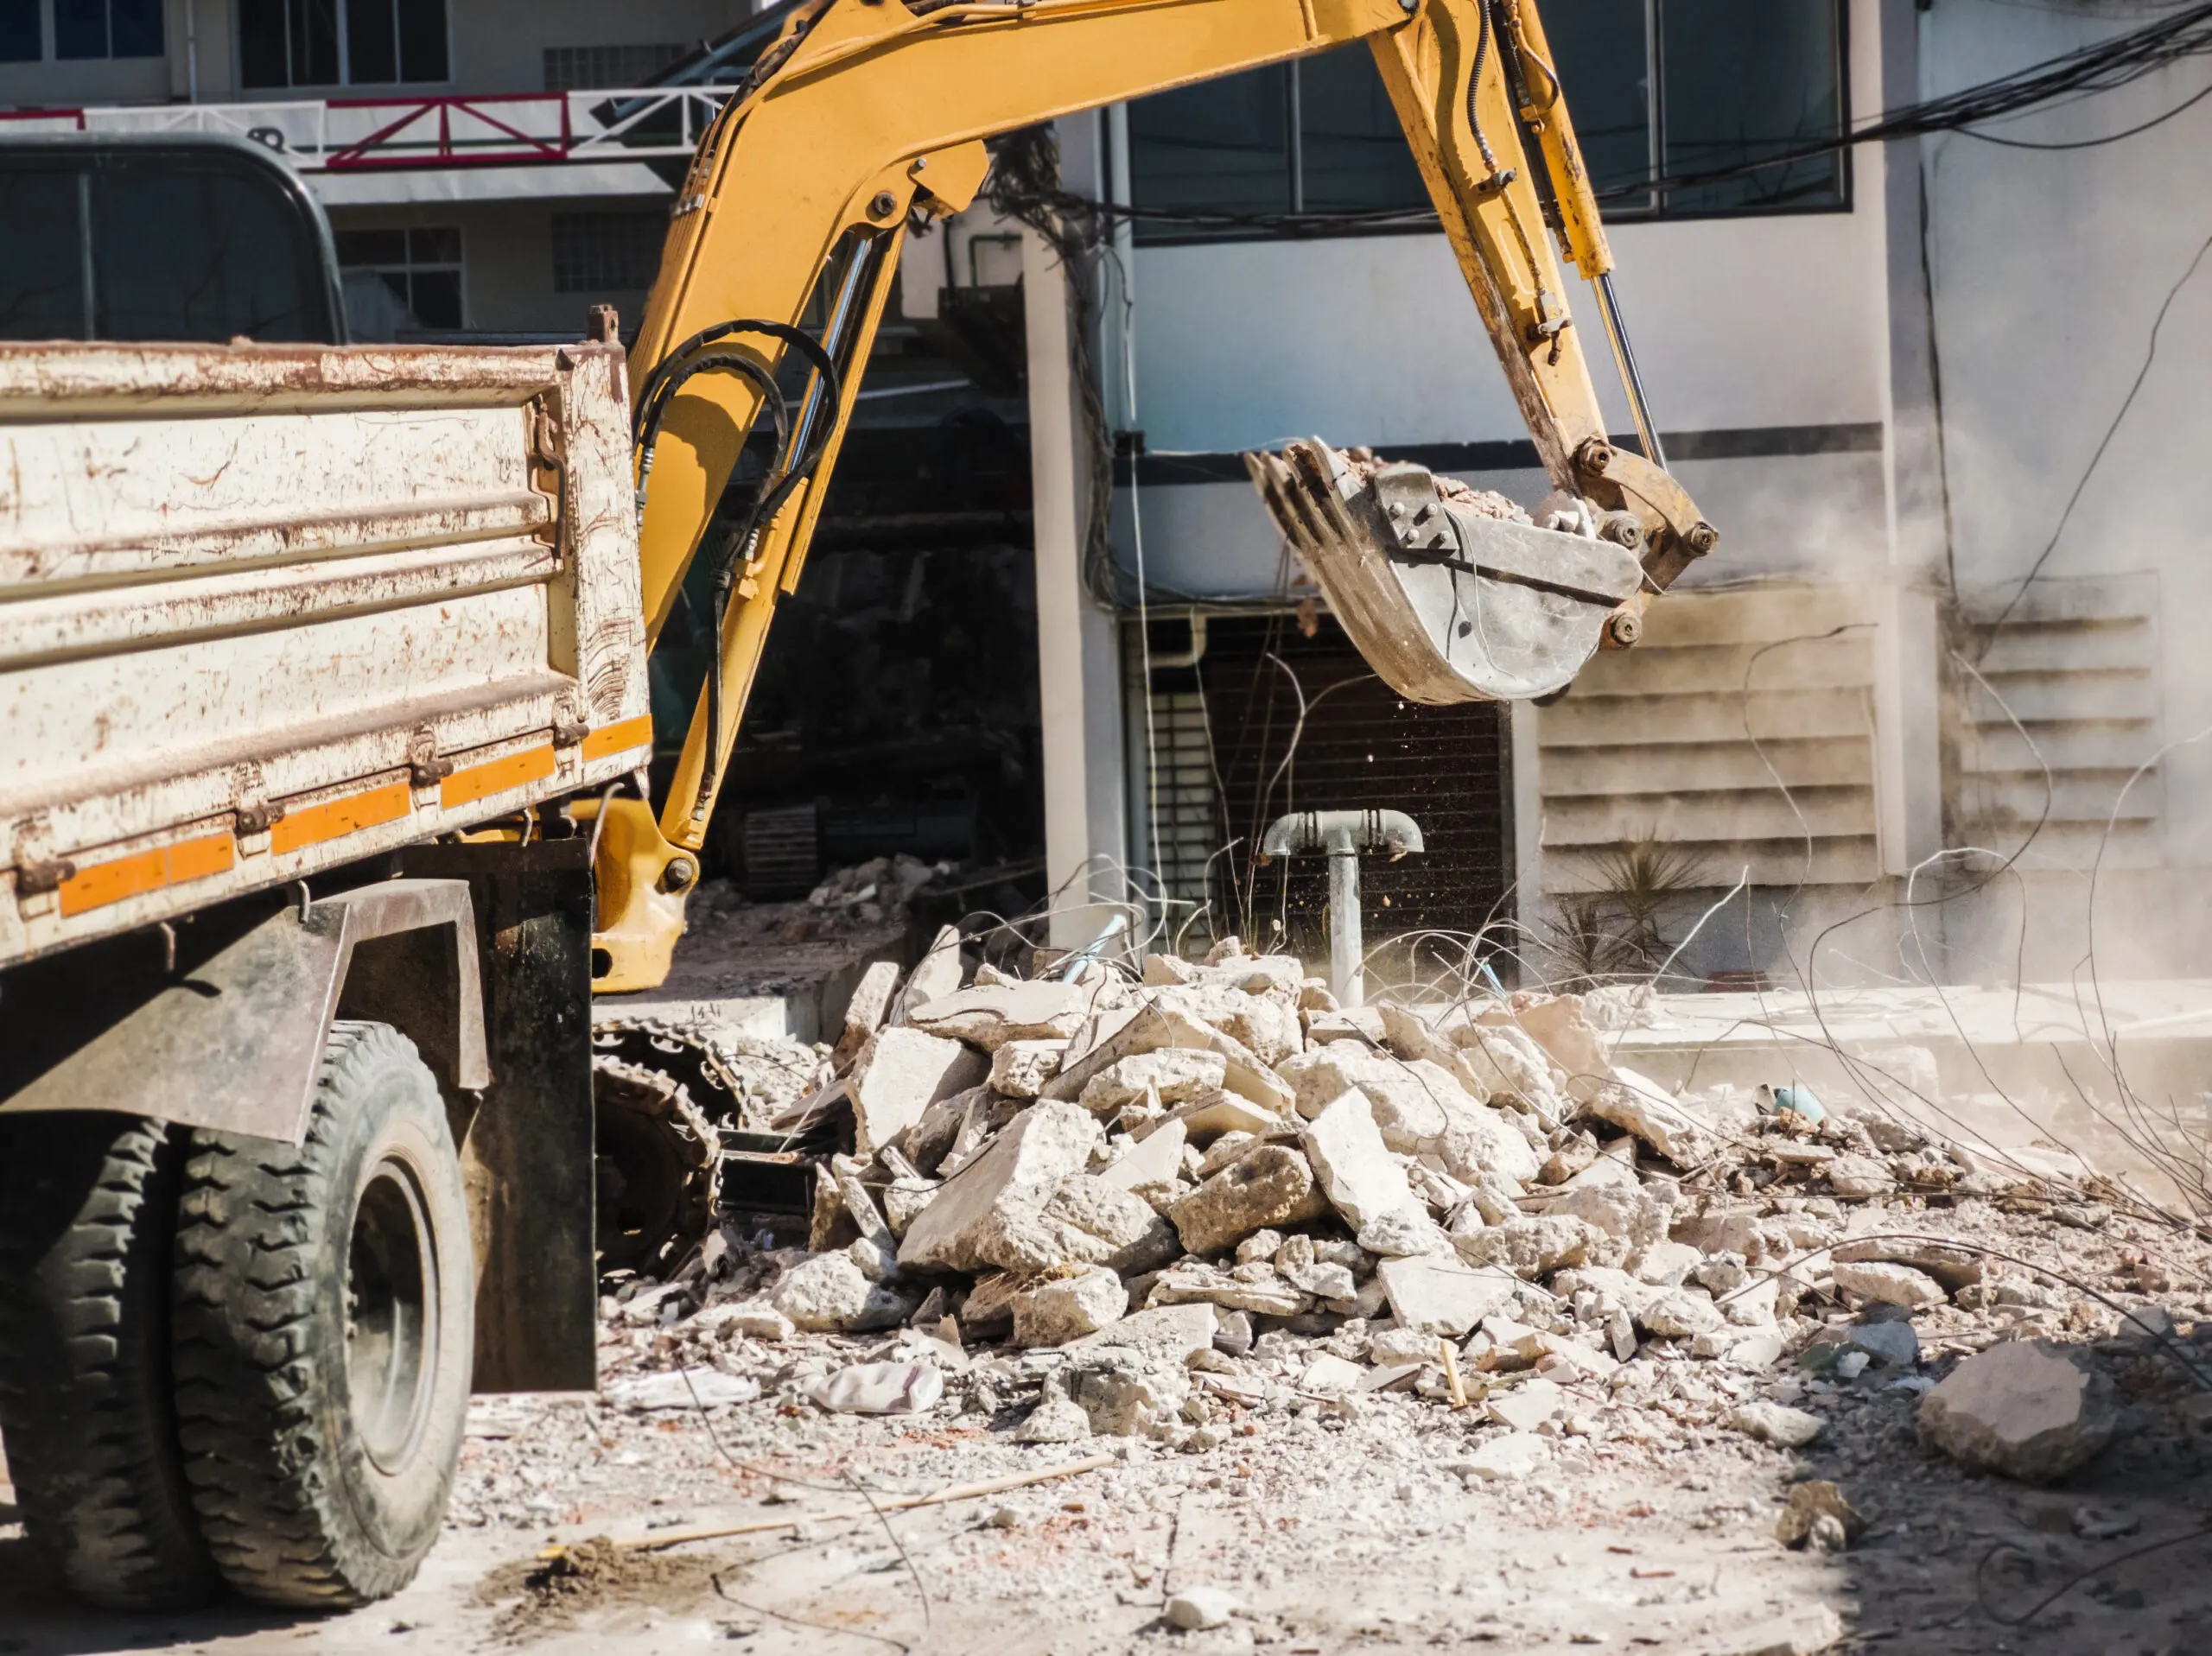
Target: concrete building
x: 1884, y: 375
x: 1943, y: 615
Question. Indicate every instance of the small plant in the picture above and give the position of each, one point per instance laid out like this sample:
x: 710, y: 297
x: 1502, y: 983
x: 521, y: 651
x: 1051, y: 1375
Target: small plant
x: 1613, y: 931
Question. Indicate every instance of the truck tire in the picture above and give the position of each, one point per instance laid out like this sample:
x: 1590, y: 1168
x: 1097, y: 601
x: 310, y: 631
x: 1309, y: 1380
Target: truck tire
x: 87, y: 1209
x: 324, y: 1318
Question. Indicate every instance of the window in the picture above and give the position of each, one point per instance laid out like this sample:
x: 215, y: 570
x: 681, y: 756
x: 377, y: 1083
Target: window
x: 341, y: 42
x: 107, y: 29
x: 1658, y: 88
x: 605, y: 68
x: 22, y: 39
x: 401, y: 280
x: 1314, y: 136
x: 607, y: 252
x: 238, y: 255
x: 1735, y: 80
x: 82, y: 30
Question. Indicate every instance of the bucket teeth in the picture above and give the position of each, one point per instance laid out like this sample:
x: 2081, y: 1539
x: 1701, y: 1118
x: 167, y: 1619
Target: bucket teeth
x: 1446, y: 604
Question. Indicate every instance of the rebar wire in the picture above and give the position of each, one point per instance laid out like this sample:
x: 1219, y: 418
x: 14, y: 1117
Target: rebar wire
x: 1980, y: 1573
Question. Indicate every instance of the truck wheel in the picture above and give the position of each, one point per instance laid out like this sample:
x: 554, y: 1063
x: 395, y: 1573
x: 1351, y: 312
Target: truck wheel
x: 324, y: 1321
x: 87, y: 1207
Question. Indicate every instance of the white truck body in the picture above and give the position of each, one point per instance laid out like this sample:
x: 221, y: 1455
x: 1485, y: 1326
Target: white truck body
x: 266, y: 610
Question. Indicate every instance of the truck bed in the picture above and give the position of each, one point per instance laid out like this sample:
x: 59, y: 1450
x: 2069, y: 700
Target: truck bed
x: 266, y: 610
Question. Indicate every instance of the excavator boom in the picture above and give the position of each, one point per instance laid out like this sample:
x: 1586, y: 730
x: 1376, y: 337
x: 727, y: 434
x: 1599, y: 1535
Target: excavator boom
x: 865, y: 111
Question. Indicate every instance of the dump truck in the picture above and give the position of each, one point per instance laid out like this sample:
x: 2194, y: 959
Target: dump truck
x: 324, y: 675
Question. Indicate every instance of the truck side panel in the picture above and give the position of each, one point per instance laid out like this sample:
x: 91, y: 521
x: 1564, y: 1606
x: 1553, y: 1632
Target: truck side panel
x: 265, y: 610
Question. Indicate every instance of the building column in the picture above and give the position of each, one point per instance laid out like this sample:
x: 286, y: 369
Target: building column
x: 1078, y: 655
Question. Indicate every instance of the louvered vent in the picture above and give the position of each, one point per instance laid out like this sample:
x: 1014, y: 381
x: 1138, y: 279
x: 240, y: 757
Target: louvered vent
x: 1741, y: 729
x: 2068, y: 681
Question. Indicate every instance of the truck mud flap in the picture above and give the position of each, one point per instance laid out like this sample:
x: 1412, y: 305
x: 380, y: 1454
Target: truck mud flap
x: 1446, y: 603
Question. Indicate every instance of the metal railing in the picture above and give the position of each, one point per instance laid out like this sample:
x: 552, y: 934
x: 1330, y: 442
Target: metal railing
x: 361, y: 135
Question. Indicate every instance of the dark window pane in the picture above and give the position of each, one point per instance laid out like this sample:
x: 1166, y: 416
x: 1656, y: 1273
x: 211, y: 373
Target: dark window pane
x: 1746, y: 78
x: 1353, y: 149
x: 421, y: 40
x: 20, y: 41
x: 1601, y: 48
x: 137, y: 27
x: 42, y: 277
x: 371, y: 46
x: 438, y: 245
x: 436, y: 299
x: 607, y: 253
x: 1221, y: 146
x: 186, y: 254
x: 263, y: 59
x: 371, y: 246
x: 80, y: 29
x: 315, y: 42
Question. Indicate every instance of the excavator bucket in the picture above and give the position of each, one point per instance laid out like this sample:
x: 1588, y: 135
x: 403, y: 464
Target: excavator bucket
x: 1446, y: 603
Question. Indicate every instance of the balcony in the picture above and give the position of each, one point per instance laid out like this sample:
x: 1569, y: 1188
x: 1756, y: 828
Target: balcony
x: 352, y: 151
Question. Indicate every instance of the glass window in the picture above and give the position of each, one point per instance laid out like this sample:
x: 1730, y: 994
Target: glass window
x: 1658, y: 87
x: 199, y: 254
x: 22, y: 36
x: 1746, y: 78
x: 341, y: 42
x: 42, y: 279
x: 607, y: 252
x: 1604, y: 53
x: 1352, y: 153
x: 106, y: 29
x: 401, y: 280
x: 1221, y: 146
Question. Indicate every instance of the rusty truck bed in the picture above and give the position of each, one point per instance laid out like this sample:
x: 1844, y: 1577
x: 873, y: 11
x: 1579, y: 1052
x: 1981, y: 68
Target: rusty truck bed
x: 265, y: 610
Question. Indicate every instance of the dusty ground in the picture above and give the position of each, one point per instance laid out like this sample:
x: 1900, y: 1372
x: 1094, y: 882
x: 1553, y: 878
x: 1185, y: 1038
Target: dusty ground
x: 1334, y: 1535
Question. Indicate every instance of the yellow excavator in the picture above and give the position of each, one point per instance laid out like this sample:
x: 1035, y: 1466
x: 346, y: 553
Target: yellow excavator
x: 864, y: 115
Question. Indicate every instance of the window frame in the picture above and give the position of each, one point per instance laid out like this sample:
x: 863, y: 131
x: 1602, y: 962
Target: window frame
x: 344, y: 40
x: 1616, y: 212
x: 408, y: 267
x: 49, y: 38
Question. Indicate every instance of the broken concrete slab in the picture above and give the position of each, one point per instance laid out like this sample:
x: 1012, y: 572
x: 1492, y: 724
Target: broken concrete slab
x: 1172, y: 1332
x: 1171, y: 1075
x: 1533, y: 1247
x: 1437, y: 1294
x: 1257, y: 1288
x: 1507, y: 1063
x: 869, y: 1005
x: 1111, y: 1037
x: 937, y: 975
x: 1558, y: 1024
x: 830, y: 1291
x: 1641, y: 1107
x: 1045, y: 1144
x: 1021, y: 1068
x: 1505, y: 1457
x: 1273, y: 1185
x: 1154, y: 1159
x: 1266, y: 1027
x: 1776, y: 1424
x: 1084, y: 1220
x: 1954, y: 1267
x: 1061, y: 1308
x: 898, y: 1074
x: 990, y: 1015
x: 2025, y: 1409
x: 1419, y: 1107
x: 1356, y: 1172
x: 1889, y: 1285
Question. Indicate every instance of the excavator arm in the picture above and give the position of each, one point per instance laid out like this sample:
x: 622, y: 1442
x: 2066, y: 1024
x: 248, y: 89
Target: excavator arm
x: 865, y: 111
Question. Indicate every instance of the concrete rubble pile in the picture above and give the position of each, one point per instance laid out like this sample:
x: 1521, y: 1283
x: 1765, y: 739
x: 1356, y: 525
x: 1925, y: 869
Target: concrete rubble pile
x: 1151, y: 1209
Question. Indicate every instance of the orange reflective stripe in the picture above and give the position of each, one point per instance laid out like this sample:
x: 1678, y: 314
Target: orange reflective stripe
x: 497, y: 776
x: 146, y: 870
x: 310, y: 825
x: 617, y: 738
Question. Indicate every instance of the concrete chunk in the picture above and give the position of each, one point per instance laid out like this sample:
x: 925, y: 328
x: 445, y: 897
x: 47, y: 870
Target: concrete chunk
x: 1148, y: 1027
x: 1155, y: 1159
x: 1436, y: 1294
x: 1021, y: 1068
x: 1061, y: 1308
x: 2024, y: 1409
x: 1170, y: 1331
x: 1173, y: 1075
x: 1273, y: 1185
x: 1347, y: 1152
x: 870, y: 1005
x: 938, y: 973
x: 990, y: 1015
x: 1643, y: 1108
x: 899, y: 1074
x: 1891, y: 1284
x: 1014, y: 1176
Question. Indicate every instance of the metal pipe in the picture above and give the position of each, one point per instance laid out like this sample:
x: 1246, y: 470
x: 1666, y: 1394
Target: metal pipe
x: 1625, y: 360
x: 1342, y: 835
